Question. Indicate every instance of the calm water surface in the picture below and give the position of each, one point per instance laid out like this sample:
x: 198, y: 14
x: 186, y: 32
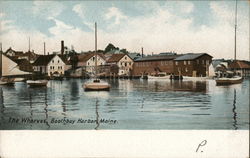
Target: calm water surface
x: 130, y: 104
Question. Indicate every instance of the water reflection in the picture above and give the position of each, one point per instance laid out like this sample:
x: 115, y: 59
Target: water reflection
x: 175, y: 85
x: 46, y: 108
x: 97, y: 114
x: 2, y: 107
x: 64, y: 105
x: 234, y: 111
x: 136, y: 104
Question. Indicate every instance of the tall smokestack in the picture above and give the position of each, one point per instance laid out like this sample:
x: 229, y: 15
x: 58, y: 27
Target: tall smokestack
x: 142, y: 52
x: 44, y: 48
x: 62, y: 47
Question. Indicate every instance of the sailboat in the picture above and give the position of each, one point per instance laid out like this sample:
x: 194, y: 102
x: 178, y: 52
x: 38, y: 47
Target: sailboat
x: 96, y: 84
x: 8, y: 70
x: 233, y: 79
x: 40, y: 82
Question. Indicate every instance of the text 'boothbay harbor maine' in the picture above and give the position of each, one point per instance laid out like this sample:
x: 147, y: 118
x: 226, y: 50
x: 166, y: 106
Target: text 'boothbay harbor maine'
x: 100, y: 78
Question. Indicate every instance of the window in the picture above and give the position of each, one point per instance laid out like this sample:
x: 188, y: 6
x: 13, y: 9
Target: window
x: 125, y: 58
x: 50, y: 67
x: 52, y: 61
x: 186, y: 69
x: 176, y: 63
x: 189, y: 62
x: 58, y: 61
x: 203, y: 62
x: 184, y: 62
x: 197, y: 61
x: 58, y: 67
x: 207, y: 62
x: 125, y: 64
x: 88, y: 63
x: 166, y: 62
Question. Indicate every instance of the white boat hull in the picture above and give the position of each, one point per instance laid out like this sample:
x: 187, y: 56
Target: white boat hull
x: 228, y: 81
x: 195, y: 78
x: 158, y: 77
x: 37, y: 83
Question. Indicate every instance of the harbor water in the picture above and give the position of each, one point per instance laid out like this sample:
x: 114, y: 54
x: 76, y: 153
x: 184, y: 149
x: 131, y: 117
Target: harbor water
x: 129, y: 105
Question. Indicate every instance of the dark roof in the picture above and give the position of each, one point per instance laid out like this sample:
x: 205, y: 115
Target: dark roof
x: 115, y: 58
x: 239, y: 64
x: 20, y: 61
x: 43, y: 59
x: 191, y: 56
x: 157, y: 58
x: 86, y: 56
x: 64, y: 59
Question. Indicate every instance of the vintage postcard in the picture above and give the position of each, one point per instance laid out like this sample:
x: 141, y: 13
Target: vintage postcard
x: 163, y: 78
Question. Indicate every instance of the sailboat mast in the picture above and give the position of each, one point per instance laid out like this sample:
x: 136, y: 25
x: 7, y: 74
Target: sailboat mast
x: 95, y: 50
x: 235, y: 30
x: 29, y: 44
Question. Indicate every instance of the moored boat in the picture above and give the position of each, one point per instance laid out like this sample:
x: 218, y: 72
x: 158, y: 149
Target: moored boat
x: 37, y: 83
x: 7, y: 81
x: 96, y: 85
x: 194, y: 78
x: 158, y: 77
x: 228, y: 81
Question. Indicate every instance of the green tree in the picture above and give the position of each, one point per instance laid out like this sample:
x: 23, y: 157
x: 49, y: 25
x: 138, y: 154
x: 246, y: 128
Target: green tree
x: 110, y: 47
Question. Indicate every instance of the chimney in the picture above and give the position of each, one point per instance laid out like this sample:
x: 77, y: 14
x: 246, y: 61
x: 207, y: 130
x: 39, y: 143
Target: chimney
x: 142, y: 52
x: 62, y: 47
x: 44, y: 48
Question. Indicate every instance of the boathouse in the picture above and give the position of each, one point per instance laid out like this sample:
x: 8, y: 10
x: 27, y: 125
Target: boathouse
x: 192, y: 64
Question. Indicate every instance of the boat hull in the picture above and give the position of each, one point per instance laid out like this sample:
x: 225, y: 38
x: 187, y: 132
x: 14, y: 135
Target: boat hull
x: 228, y: 81
x: 39, y: 83
x: 158, y: 77
x: 96, y: 87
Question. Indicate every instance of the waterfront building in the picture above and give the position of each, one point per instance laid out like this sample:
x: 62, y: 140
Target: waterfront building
x: 152, y: 65
x: 124, y: 63
x: 241, y: 68
x: 192, y: 64
x: 50, y: 64
x: 87, y: 62
x: 15, y: 55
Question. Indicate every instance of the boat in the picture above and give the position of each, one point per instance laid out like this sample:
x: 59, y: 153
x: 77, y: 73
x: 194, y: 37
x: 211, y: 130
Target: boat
x: 7, y: 81
x: 96, y: 84
x: 188, y: 78
x: 38, y: 82
x: 231, y: 79
x: 158, y: 77
x: 161, y: 75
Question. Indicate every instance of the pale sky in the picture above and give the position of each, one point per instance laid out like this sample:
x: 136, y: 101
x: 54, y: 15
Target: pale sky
x: 157, y: 26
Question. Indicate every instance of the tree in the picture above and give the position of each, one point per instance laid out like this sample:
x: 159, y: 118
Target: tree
x: 110, y: 47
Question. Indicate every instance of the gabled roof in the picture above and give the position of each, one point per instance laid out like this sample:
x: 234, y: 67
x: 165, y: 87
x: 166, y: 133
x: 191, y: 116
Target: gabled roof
x: 43, y: 60
x: 191, y: 56
x: 157, y: 58
x: 117, y: 58
x: 86, y: 56
x: 239, y: 64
